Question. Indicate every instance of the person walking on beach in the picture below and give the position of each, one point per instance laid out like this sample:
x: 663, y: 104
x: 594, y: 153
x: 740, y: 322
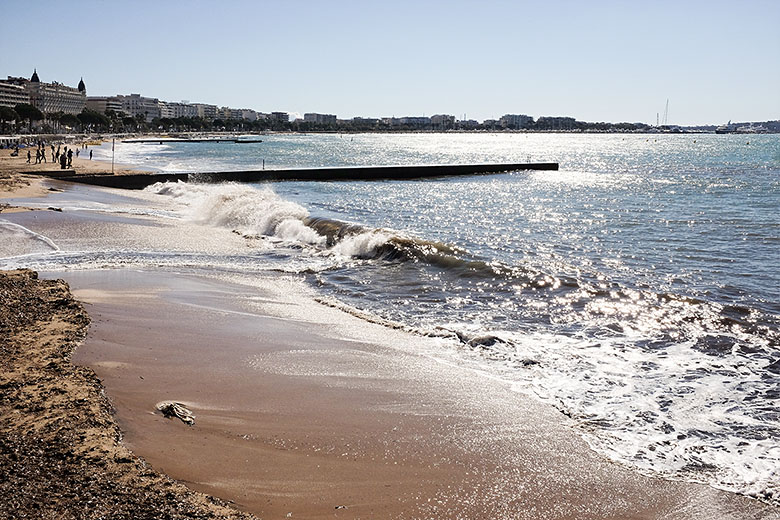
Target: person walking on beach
x: 90, y: 155
x: 37, y: 155
x: 70, y: 157
x: 63, y: 161
x: 29, y: 155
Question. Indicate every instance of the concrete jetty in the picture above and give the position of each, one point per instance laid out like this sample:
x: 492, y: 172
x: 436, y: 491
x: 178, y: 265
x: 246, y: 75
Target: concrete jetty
x: 341, y: 173
x: 161, y: 140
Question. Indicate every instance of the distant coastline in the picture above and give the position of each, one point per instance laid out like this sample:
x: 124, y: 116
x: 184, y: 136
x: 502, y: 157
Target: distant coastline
x: 22, y: 137
x: 55, y: 107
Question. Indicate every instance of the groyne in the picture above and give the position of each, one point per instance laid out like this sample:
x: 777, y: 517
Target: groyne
x: 344, y: 173
x: 236, y: 140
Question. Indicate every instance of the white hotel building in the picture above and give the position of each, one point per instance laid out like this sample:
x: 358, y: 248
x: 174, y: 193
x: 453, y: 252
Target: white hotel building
x: 49, y: 98
x: 136, y: 105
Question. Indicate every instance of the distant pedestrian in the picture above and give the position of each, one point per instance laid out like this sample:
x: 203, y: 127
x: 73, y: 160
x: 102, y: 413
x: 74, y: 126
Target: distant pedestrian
x: 29, y: 155
x: 77, y: 152
x: 90, y: 155
x: 63, y: 161
x: 43, y: 154
x: 70, y: 158
x: 37, y: 155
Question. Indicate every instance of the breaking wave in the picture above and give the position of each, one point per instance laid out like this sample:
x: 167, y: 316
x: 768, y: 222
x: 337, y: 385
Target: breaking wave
x: 247, y: 210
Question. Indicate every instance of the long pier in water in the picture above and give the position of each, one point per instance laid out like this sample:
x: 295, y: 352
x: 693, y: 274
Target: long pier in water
x: 235, y: 140
x: 341, y: 173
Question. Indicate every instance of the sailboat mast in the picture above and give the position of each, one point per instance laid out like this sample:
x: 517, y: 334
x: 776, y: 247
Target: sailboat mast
x: 666, y: 113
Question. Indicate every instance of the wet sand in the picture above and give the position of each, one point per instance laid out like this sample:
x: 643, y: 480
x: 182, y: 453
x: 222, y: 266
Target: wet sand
x: 316, y: 416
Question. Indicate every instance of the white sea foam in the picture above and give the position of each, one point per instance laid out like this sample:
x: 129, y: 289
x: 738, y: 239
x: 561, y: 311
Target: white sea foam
x: 18, y: 239
x: 249, y: 210
x: 672, y: 413
x: 260, y: 211
x: 361, y: 245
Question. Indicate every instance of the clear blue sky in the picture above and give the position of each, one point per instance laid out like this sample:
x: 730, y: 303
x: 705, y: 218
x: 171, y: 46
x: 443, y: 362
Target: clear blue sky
x: 593, y: 60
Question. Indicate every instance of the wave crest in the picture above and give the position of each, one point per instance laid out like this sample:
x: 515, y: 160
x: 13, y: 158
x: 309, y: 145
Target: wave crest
x: 246, y: 209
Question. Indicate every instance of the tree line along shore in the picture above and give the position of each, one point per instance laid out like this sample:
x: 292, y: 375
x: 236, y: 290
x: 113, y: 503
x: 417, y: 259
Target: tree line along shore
x: 27, y: 118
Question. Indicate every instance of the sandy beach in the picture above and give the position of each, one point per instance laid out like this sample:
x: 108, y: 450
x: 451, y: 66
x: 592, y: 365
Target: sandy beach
x: 17, y: 174
x: 301, y: 410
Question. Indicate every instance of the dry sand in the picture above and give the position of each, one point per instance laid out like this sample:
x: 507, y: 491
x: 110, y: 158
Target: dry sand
x: 11, y: 166
x: 18, y: 179
x: 22, y: 180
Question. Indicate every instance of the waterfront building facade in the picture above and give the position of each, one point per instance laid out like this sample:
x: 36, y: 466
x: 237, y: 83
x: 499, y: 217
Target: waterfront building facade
x: 136, y: 105
x: 322, y: 119
x: 184, y: 109
x: 103, y: 104
x: 556, y: 123
x: 227, y: 113
x: 173, y: 110
x: 53, y: 97
x: 166, y: 110
x: 515, y: 121
x: 12, y: 94
x: 467, y: 124
x: 207, y: 112
x: 442, y: 121
x: 282, y: 117
x: 412, y: 121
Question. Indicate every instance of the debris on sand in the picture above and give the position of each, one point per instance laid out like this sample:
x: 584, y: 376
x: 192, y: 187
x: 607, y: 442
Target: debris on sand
x: 173, y: 409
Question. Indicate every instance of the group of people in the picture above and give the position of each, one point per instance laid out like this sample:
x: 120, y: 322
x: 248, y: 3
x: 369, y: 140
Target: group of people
x: 64, y: 156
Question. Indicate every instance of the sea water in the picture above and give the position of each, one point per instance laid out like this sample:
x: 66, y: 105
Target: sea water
x: 637, y: 289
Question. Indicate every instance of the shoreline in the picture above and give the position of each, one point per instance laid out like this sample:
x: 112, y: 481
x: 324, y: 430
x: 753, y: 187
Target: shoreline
x: 308, y: 409
x: 353, y: 391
